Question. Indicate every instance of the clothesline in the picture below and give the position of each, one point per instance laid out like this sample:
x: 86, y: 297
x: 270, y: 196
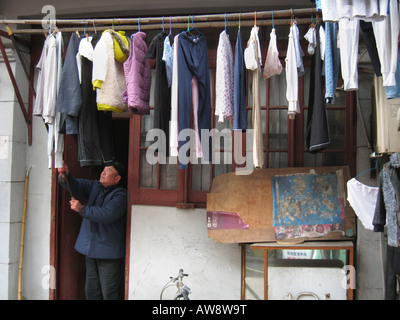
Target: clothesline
x: 246, y: 19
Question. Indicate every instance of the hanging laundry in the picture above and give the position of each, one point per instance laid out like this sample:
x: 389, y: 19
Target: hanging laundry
x: 272, y: 64
x: 137, y: 76
x: 393, y: 92
x: 386, y: 35
x: 168, y: 58
x: 108, y: 76
x: 332, y: 60
x: 387, y: 211
x: 298, y: 50
x: 317, y: 130
x: 46, y: 90
x: 334, y: 10
x: 192, y: 61
x: 89, y: 146
x: 162, y: 90
x: 48, y: 82
x: 362, y: 199
x: 368, y: 35
x: 252, y: 58
x: 349, y: 13
x: 173, y: 141
x: 310, y: 37
x: 292, y: 77
x: 239, y: 84
x: 224, y: 79
x: 69, y: 98
x: 58, y: 137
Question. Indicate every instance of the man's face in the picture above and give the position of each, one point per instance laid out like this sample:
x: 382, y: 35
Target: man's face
x: 109, y: 176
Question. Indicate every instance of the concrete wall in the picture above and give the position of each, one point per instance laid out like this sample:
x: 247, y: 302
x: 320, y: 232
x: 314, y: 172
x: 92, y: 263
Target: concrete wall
x: 13, y: 133
x: 16, y: 157
x: 369, y: 283
x: 166, y: 239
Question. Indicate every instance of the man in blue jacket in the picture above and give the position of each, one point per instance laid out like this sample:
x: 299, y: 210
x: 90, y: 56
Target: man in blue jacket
x: 102, y: 235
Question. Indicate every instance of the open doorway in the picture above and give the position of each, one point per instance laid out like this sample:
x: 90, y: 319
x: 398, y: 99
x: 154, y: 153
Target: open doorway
x: 68, y: 263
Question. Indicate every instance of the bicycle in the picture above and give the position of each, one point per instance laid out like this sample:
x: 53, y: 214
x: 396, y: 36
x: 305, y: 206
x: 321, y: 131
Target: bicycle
x: 183, y: 290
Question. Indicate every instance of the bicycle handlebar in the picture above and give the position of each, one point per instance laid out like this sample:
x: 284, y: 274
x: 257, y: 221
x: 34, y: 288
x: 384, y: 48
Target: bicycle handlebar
x: 181, y: 274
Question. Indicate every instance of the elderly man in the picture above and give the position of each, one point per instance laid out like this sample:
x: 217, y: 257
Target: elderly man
x: 102, y: 235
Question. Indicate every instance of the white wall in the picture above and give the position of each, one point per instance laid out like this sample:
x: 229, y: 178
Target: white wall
x: 15, y: 159
x: 166, y: 239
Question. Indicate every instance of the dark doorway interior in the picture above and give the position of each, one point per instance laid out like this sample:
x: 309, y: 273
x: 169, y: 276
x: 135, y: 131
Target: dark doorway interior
x: 70, y: 265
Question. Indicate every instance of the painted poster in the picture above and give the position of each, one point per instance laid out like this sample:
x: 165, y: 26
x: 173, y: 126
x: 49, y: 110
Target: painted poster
x: 306, y: 205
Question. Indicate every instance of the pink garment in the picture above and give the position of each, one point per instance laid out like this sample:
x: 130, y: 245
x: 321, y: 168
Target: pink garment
x: 138, y: 76
x: 195, y: 102
x: 272, y: 64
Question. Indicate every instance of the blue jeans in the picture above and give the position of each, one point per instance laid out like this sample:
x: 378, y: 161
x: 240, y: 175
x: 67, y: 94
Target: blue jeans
x: 104, y: 279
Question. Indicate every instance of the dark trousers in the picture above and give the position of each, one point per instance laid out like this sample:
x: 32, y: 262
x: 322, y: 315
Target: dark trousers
x: 193, y: 62
x: 104, y: 279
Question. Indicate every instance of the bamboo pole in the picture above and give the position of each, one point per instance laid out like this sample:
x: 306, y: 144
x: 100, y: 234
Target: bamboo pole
x: 281, y: 17
x: 21, y: 252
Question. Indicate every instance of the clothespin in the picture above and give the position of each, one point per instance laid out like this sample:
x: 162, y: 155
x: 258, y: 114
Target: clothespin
x: 112, y: 22
x: 139, y: 24
x: 255, y: 18
x: 225, y: 22
x: 163, y: 28
x: 240, y: 14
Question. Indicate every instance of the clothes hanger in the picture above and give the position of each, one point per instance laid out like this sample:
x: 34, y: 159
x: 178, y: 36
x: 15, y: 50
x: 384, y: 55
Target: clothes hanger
x: 273, y: 23
x: 170, y: 30
x: 225, y: 24
x: 375, y: 168
x: 138, y: 28
x: 192, y: 28
x: 312, y: 25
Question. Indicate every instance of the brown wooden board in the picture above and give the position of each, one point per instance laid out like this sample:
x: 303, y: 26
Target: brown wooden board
x: 250, y: 196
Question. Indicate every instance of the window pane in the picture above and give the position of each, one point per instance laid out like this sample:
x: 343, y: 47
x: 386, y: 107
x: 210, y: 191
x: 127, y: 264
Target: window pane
x: 312, y: 160
x: 336, y: 120
x: 148, y: 172
x: 277, y: 90
x: 278, y: 129
x: 201, y: 177
x: 334, y: 159
x: 168, y: 176
x: 254, y: 274
x: 147, y: 124
x: 278, y: 160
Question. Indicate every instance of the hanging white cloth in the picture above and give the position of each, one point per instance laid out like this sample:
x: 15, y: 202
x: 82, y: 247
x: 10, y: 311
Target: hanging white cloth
x: 362, y: 198
x: 292, y: 78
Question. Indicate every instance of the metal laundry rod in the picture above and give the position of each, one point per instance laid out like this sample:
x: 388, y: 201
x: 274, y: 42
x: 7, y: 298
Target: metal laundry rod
x: 262, y: 18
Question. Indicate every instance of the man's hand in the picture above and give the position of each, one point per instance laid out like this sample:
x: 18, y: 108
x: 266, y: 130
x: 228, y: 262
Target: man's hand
x: 63, y: 170
x: 75, y: 205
